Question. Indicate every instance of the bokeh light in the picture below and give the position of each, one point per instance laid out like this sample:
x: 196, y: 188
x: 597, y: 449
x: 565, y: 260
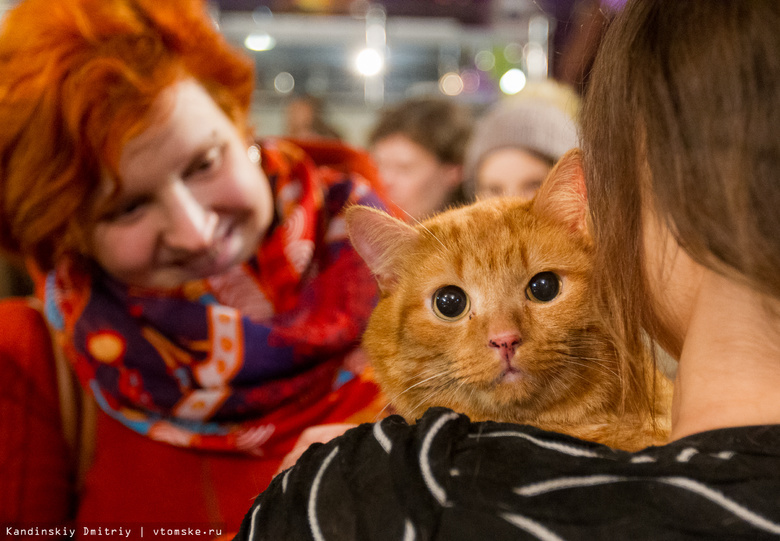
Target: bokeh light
x: 259, y: 42
x: 451, y: 84
x: 369, y: 62
x: 284, y: 82
x: 512, y: 82
x: 485, y: 60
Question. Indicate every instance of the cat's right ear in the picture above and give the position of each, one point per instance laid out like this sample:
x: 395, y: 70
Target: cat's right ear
x: 381, y: 241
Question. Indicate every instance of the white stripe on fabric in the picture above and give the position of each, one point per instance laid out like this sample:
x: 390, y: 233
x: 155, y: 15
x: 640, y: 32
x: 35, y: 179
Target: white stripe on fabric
x: 409, y: 533
x: 382, y: 438
x: 531, y: 527
x: 718, y: 498
x: 712, y: 495
x: 687, y: 454
x: 568, y: 482
x: 552, y: 445
x: 253, y: 521
x: 284, y: 481
x: 425, y: 464
x: 642, y: 459
x: 314, y: 524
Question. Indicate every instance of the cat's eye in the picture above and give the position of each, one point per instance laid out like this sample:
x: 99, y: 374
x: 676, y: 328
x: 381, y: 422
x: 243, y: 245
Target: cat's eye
x: 450, y: 303
x: 543, y: 287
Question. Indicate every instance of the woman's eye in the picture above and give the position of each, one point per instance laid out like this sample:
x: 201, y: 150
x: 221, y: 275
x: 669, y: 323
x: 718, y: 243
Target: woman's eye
x: 128, y: 211
x: 209, y: 160
x: 543, y: 287
x: 450, y: 303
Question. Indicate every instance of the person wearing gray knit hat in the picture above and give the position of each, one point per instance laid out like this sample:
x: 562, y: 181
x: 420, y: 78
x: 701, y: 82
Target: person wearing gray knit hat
x: 516, y: 143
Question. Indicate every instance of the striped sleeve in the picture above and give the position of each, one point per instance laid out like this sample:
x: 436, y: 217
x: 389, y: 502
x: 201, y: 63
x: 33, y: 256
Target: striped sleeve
x: 448, y: 479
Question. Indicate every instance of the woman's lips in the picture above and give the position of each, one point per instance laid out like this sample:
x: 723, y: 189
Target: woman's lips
x: 223, y: 252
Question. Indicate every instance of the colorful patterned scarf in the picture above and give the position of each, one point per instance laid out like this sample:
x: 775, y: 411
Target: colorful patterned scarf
x: 245, y: 360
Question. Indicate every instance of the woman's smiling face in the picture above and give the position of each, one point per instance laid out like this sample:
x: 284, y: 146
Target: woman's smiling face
x: 192, y: 202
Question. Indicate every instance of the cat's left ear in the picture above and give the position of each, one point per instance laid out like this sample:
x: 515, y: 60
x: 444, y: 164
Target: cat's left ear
x: 563, y: 196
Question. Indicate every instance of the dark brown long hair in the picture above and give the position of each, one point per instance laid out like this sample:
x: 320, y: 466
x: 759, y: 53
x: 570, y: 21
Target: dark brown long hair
x: 439, y: 125
x: 691, y: 91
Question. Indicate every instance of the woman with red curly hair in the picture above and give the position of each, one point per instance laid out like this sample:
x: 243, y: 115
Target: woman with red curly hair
x: 199, y: 285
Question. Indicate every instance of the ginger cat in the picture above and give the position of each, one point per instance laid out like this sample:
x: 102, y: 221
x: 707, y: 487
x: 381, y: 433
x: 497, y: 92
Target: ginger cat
x: 485, y: 309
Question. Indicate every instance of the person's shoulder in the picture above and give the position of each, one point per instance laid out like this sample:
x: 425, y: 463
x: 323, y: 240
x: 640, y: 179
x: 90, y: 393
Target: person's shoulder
x: 442, y: 428
x: 446, y: 477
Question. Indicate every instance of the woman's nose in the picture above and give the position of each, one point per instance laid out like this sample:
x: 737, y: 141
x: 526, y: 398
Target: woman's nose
x: 191, y: 224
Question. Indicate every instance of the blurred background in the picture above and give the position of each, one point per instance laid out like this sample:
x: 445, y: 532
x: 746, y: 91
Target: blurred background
x: 356, y: 56
x: 344, y: 61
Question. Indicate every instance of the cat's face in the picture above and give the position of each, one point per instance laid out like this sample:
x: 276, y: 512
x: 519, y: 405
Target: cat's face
x: 485, y: 309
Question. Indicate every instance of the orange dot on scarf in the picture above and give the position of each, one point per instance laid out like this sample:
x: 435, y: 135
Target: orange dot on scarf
x: 106, y: 346
x: 221, y: 366
x: 224, y: 318
x: 133, y: 415
x: 227, y: 344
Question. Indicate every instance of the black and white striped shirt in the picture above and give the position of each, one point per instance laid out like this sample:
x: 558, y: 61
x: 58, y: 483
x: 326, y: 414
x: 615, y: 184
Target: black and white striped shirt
x: 446, y: 478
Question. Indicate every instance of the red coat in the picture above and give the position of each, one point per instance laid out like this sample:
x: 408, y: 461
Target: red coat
x: 131, y: 480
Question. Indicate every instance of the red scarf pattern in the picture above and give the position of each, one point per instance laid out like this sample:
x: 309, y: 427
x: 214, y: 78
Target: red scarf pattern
x: 246, y: 360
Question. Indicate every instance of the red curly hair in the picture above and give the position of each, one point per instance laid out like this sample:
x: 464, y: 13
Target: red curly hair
x: 77, y: 81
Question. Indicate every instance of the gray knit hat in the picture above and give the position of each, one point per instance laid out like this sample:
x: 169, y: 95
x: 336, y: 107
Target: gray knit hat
x: 534, y: 124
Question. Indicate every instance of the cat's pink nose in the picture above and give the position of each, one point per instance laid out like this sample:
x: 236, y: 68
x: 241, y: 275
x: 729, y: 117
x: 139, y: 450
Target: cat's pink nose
x: 506, y: 344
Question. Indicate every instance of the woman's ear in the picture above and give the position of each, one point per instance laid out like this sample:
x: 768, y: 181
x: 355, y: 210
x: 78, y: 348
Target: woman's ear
x: 563, y: 196
x: 381, y: 240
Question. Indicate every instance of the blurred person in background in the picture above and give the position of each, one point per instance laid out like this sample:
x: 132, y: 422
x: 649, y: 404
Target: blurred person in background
x: 196, y: 282
x: 419, y: 147
x: 305, y: 119
x: 518, y: 140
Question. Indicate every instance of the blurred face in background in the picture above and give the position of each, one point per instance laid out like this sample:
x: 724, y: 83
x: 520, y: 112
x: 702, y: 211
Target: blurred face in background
x: 193, y: 201
x: 414, y: 178
x: 511, y: 172
x: 300, y: 119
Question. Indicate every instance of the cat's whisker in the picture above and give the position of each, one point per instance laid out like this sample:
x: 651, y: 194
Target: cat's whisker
x: 425, y: 399
x: 603, y: 372
x: 592, y: 362
x: 580, y: 376
x: 416, y: 385
x: 592, y: 365
x: 381, y: 412
x: 393, y: 400
x: 598, y: 367
x: 412, y: 218
x: 438, y: 394
x: 434, y: 236
x: 419, y: 223
x: 563, y: 371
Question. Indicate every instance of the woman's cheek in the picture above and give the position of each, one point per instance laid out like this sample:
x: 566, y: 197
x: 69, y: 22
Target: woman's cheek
x: 124, y: 250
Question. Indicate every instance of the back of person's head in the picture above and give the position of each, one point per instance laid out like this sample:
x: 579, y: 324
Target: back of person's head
x: 77, y: 81
x: 439, y: 125
x: 694, y: 86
